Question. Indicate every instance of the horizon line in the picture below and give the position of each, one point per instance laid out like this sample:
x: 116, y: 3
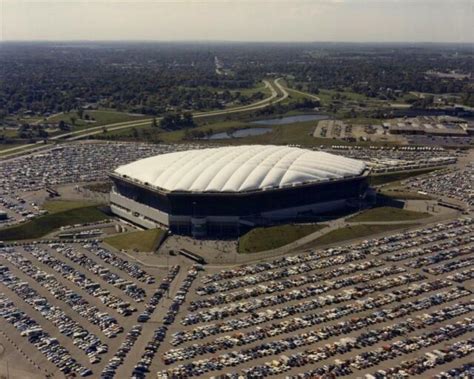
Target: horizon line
x: 231, y: 41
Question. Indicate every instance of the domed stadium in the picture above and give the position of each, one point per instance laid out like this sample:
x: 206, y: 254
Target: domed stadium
x: 221, y: 191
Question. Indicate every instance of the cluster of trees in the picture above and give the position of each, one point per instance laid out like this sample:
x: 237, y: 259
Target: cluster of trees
x: 141, y: 78
x: 155, y: 78
x: 176, y: 121
x: 280, y: 108
x: 27, y: 131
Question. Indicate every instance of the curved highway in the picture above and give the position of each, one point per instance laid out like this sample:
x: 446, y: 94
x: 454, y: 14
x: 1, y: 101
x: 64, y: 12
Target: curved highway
x: 272, y: 99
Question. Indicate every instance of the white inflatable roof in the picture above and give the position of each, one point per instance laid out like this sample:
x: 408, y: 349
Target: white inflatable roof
x: 239, y: 168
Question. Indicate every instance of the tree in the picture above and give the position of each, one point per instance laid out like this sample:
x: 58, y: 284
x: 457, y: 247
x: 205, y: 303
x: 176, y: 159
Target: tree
x: 42, y: 133
x: 63, y: 126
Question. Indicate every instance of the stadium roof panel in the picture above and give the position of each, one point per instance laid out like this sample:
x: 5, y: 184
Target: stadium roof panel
x: 239, y: 168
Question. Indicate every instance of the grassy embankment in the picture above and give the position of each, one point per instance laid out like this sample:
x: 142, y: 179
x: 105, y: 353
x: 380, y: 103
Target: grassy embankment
x: 61, y: 215
x: 353, y: 232
x: 261, y: 239
x: 377, y: 180
x: 387, y: 214
x: 55, y: 206
x: 393, y: 188
x: 144, y: 241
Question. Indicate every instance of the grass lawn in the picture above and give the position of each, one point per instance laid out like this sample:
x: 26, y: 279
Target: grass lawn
x: 5, y: 146
x: 260, y: 87
x: 145, y: 241
x: 326, y: 95
x: 299, y: 133
x: 55, y: 206
x: 43, y: 225
x: 356, y: 231
x: 377, y: 180
x: 402, y: 194
x: 22, y: 148
x: 261, y: 239
x: 388, y: 214
x: 102, y: 117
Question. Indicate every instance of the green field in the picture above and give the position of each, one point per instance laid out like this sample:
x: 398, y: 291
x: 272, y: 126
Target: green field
x: 55, y: 206
x: 260, y: 87
x: 102, y: 117
x: 402, y: 194
x: 5, y: 146
x: 356, y: 231
x: 23, y: 148
x: 261, y: 239
x: 376, y: 180
x: 327, y: 94
x: 300, y: 133
x: 144, y: 241
x: 387, y: 214
x: 43, y: 225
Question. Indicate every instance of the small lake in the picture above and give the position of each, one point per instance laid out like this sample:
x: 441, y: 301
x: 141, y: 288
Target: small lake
x: 291, y: 119
x: 240, y: 133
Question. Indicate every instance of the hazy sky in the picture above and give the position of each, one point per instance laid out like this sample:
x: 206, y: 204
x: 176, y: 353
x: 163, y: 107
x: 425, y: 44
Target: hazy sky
x: 239, y: 20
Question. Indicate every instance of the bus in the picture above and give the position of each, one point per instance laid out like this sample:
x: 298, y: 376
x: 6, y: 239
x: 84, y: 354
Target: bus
x: 196, y: 258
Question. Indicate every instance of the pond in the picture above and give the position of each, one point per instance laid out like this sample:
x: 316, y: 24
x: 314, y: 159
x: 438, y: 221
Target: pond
x: 291, y: 119
x: 240, y: 133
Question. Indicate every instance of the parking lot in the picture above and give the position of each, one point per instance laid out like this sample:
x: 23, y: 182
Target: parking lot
x: 394, y: 306
x: 24, y: 180
x: 399, y: 304
x: 71, y: 308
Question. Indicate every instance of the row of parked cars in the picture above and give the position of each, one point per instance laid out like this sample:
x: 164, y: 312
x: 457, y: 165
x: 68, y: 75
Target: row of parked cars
x: 281, y: 268
x: 329, y: 278
x: 417, y: 237
x: 301, y: 315
x: 313, y: 292
x: 117, y: 360
x: 132, y: 269
x: 83, y: 339
x: 432, y: 359
x: 454, y: 184
x: 107, y: 324
x: 128, y: 287
x: 158, y: 294
x: 441, y: 256
x: 346, y: 265
x: 375, y: 246
x: 450, y: 266
x: 308, y: 320
x: 462, y: 276
x: 461, y: 237
x: 22, y: 209
x: 143, y: 366
x: 366, y: 359
x: 333, y: 258
x: 78, y: 278
x: 46, y: 344
x: 465, y: 371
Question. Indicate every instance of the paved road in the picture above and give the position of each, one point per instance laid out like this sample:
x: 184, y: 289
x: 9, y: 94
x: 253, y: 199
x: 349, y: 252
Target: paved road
x: 304, y: 93
x: 273, y: 99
